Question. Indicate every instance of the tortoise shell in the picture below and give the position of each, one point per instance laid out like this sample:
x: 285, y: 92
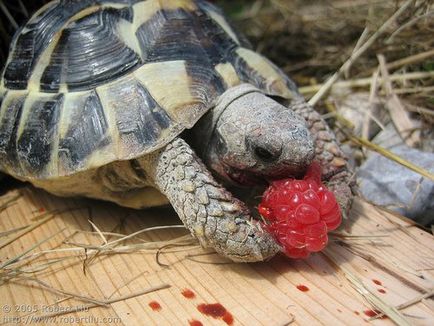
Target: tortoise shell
x: 92, y: 82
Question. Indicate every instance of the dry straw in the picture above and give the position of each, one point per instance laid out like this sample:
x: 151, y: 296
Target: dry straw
x: 354, y: 61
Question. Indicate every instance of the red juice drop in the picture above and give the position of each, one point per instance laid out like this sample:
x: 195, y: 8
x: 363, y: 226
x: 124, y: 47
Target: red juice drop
x: 371, y: 313
x: 377, y: 282
x: 302, y: 288
x: 216, y: 310
x: 154, y: 305
x: 195, y: 322
x: 189, y: 294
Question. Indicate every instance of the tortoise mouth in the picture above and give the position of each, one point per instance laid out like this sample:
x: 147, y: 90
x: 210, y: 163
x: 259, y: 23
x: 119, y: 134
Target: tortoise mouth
x: 248, y: 178
x: 244, y: 178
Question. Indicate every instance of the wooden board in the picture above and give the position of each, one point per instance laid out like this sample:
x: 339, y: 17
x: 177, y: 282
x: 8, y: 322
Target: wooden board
x: 394, y: 264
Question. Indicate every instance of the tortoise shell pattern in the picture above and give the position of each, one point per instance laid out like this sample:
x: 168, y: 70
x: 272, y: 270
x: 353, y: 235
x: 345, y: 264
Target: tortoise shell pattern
x: 92, y: 82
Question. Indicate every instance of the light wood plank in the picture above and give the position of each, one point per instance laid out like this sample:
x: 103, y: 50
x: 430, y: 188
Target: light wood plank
x: 402, y: 258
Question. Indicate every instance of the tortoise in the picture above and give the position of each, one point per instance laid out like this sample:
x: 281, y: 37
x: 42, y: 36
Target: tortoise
x: 145, y: 103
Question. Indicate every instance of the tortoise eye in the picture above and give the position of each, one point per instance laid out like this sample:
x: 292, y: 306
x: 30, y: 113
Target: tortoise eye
x: 221, y: 146
x: 265, y: 155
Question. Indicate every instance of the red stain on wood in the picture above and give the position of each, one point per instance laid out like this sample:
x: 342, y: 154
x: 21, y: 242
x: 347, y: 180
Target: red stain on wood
x: 357, y: 313
x: 302, y: 288
x: 189, y: 294
x: 195, y: 322
x: 216, y: 310
x: 377, y: 282
x: 228, y: 318
x: 373, y: 313
x: 382, y: 291
x: 154, y: 305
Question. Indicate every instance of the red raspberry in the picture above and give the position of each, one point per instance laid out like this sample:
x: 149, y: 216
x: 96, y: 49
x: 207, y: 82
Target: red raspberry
x: 299, y: 213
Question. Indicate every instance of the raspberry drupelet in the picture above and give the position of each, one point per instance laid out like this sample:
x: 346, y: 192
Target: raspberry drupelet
x: 299, y: 213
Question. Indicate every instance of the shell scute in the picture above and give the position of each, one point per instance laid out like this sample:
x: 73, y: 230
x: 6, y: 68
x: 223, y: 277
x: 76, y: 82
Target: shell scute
x: 92, y: 82
x: 39, y: 131
x: 31, y: 41
x: 12, y: 107
x: 84, y: 130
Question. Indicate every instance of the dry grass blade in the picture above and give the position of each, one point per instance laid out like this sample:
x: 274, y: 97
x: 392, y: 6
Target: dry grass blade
x: 365, y: 82
x: 105, y: 233
x: 49, y: 288
x: 389, y: 267
x: 408, y: 24
x: 23, y: 8
x: 26, y: 230
x: 16, y: 258
x: 343, y: 235
x: 98, y: 231
x: 416, y: 58
x: 428, y: 89
x: 388, y: 310
x: 8, y: 202
x: 373, y: 299
x: 40, y: 219
x: 160, y: 251
x: 132, y: 235
x: 210, y: 254
x: 376, y: 148
x: 400, y: 117
x: 91, y: 249
x: 356, y: 54
x: 106, y: 302
x: 7, y: 232
x: 8, y: 15
x: 420, y: 110
x: 411, y: 302
x: 369, y: 112
x: 38, y: 267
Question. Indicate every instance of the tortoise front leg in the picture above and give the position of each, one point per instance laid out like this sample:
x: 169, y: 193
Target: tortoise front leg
x: 208, y: 210
x: 334, y: 163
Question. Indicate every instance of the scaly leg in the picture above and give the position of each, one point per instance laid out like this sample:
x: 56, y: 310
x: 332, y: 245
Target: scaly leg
x: 208, y: 210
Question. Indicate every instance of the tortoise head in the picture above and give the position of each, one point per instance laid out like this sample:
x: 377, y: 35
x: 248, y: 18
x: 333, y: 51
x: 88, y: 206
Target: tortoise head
x: 253, y: 138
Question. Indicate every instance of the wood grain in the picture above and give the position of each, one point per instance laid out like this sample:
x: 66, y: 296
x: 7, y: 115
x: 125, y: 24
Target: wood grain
x: 401, y: 257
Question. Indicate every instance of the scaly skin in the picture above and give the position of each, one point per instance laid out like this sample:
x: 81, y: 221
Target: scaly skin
x: 207, y: 209
x: 335, y: 169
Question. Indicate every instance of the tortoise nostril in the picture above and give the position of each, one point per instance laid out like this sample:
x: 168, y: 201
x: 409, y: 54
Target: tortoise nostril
x: 265, y: 155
